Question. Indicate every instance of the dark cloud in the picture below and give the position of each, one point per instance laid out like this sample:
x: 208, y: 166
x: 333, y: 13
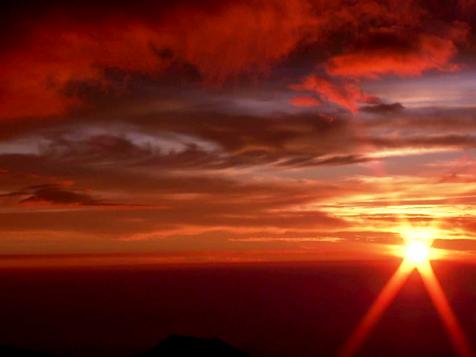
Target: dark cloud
x: 54, y: 195
x: 215, y: 141
x: 383, y: 108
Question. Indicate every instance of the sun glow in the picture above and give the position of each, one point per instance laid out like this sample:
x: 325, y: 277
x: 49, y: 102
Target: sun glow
x: 417, y: 248
x: 417, y: 252
x: 422, y: 234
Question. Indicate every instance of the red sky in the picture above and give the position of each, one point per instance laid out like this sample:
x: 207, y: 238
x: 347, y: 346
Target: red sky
x: 235, y: 130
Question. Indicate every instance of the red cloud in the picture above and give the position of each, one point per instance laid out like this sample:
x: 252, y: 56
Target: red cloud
x: 430, y: 52
x: 305, y: 101
x: 346, y: 94
x: 218, y: 39
x: 219, y: 42
x: 34, y: 77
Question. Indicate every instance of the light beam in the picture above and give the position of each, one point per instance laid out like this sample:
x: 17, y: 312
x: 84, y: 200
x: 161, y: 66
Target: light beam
x: 416, y: 257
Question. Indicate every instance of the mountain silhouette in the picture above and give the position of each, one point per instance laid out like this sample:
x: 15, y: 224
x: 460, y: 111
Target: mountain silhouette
x: 178, y: 346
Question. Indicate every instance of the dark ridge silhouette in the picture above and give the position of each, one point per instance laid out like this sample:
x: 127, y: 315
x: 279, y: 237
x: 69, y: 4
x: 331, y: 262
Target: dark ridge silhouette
x: 8, y: 351
x: 178, y: 346
x: 172, y: 346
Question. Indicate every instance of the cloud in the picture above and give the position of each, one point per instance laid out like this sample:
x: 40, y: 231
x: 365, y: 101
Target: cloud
x: 434, y: 141
x: 219, y: 40
x: 160, y: 128
x: 382, y: 108
x: 456, y: 244
x: 464, y: 223
x: 178, y: 207
x: 46, y: 48
x: 190, y: 141
x: 305, y: 101
x: 429, y: 52
x: 194, y: 141
x: 346, y: 94
x: 54, y: 194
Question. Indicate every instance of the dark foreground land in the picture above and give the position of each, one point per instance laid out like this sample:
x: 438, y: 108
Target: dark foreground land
x: 263, y: 310
x: 172, y: 346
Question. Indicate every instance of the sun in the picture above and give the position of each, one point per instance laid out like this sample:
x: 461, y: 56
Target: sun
x: 417, y: 252
x: 417, y: 248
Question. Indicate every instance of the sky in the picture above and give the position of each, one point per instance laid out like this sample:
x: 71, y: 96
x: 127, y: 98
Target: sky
x: 226, y: 130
